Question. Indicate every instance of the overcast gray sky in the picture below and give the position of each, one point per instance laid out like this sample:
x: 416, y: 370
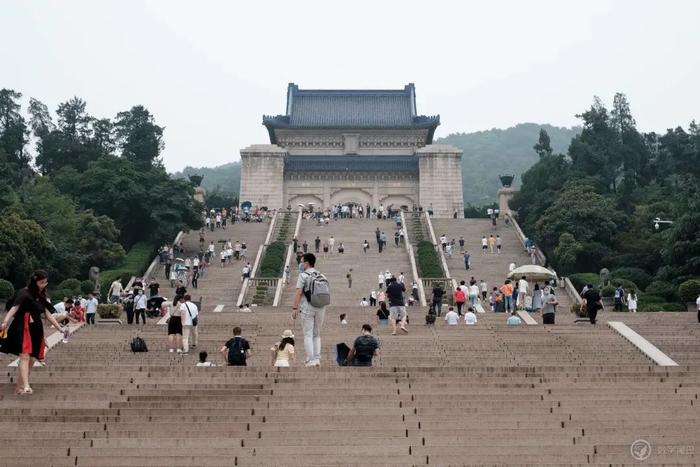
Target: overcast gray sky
x: 209, y: 70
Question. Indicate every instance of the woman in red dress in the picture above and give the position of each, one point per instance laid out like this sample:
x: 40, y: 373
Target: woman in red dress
x: 25, y: 335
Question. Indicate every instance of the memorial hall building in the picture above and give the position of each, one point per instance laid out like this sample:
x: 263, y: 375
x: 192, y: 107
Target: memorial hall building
x: 363, y: 147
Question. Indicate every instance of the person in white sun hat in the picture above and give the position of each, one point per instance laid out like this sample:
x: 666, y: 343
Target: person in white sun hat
x: 283, y: 354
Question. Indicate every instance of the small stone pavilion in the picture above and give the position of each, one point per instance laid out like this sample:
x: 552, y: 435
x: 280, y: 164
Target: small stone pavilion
x: 352, y: 147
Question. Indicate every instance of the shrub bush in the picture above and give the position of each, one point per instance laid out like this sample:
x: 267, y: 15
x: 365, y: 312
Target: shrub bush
x: 134, y: 263
x: 70, y: 284
x: 627, y: 285
x: 109, y: 311
x: 648, y: 298
x: 59, y: 294
x: 7, y: 290
x: 689, y: 290
x: 273, y: 261
x: 608, y: 291
x: 88, y: 286
x: 428, y: 260
x: 580, y: 280
x: 637, y: 275
x: 667, y: 306
x: 662, y: 289
x: 579, y: 310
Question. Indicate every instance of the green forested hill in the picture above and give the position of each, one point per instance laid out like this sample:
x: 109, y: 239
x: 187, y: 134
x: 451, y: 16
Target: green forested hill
x: 223, y: 178
x: 490, y: 153
x: 486, y: 155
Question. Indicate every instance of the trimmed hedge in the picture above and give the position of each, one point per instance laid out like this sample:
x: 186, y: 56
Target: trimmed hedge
x: 7, y: 290
x: 428, y: 260
x: 689, y: 290
x: 608, y: 291
x: 582, y: 278
x: 662, y: 289
x: 70, y: 284
x: 668, y: 306
x: 637, y: 275
x: 627, y: 285
x: 134, y: 263
x: 87, y: 286
x: 273, y: 261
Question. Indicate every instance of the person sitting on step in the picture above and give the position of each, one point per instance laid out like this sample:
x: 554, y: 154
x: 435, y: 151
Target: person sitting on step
x: 365, y: 347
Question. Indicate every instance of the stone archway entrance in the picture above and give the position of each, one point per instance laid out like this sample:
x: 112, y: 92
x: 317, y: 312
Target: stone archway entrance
x: 348, y: 196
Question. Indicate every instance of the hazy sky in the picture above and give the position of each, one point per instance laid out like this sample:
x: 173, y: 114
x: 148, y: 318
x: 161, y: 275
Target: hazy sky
x: 209, y: 70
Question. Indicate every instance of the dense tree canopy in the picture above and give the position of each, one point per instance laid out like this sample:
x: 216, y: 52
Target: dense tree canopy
x: 595, y: 206
x: 100, y: 188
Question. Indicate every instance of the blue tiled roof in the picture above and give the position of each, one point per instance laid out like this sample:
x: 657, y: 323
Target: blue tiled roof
x: 307, y: 108
x: 351, y: 164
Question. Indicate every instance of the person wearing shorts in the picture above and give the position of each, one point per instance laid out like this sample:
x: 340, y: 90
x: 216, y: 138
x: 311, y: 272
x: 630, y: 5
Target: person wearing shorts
x: 397, y: 305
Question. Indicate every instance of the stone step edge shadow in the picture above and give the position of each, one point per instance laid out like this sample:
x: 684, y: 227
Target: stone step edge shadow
x: 646, y: 347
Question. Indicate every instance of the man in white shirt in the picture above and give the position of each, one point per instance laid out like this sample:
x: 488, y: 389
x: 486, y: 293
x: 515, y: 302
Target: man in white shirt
x: 380, y: 279
x: 62, y: 309
x: 473, y: 294
x: 140, y: 306
x: 402, y: 278
x: 452, y: 317
x: 245, y: 272
x: 189, y: 313
x: 484, y: 289
x: 470, y: 317
x: 364, y: 302
x: 223, y: 257
x: 115, y: 291
x: 90, y: 308
x: 523, y: 288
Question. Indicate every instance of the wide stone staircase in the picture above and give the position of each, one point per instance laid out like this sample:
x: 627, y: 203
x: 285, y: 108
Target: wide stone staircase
x: 364, y: 267
x: 220, y: 286
x: 491, y: 267
x: 570, y: 394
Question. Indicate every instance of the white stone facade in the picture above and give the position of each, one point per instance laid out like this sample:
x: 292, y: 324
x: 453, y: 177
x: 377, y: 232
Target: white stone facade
x: 352, y: 146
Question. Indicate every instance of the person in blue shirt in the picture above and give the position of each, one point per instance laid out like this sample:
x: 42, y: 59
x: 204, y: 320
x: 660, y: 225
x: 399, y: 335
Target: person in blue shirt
x: 514, y: 320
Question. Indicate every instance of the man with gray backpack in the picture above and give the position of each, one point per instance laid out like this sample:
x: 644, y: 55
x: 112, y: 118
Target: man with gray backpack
x: 311, y: 298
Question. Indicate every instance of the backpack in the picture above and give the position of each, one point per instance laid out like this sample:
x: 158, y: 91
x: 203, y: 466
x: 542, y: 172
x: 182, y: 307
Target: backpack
x: 317, y: 291
x: 138, y: 345
x: 459, y: 296
x: 236, y: 353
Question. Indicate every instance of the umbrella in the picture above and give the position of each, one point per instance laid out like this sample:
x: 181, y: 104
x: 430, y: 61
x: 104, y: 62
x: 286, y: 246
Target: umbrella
x: 532, y: 272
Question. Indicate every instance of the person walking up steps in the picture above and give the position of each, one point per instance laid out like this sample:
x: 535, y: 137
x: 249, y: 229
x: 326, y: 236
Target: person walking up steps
x: 499, y: 244
x: 310, y: 299
x: 492, y: 243
x: 484, y: 245
x: 397, y: 305
x: 331, y: 243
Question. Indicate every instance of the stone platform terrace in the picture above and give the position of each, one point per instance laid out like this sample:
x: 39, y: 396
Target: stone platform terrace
x: 570, y: 394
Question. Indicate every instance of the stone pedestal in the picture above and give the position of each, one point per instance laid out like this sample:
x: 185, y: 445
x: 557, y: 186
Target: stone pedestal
x: 199, y: 194
x: 440, y: 179
x: 504, y: 196
x: 262, y: 175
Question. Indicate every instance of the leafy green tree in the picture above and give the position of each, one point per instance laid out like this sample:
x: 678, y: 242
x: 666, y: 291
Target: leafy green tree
x: 595, y: 152
x: 544, y: 146
x: 566, y: 253
x: 70, y: 143
x: 79, y: 238
x: 24, y: 247
x: 13, y: 128
x: 139, y: 138
x: 579, y: 211
x: 145, y: 204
